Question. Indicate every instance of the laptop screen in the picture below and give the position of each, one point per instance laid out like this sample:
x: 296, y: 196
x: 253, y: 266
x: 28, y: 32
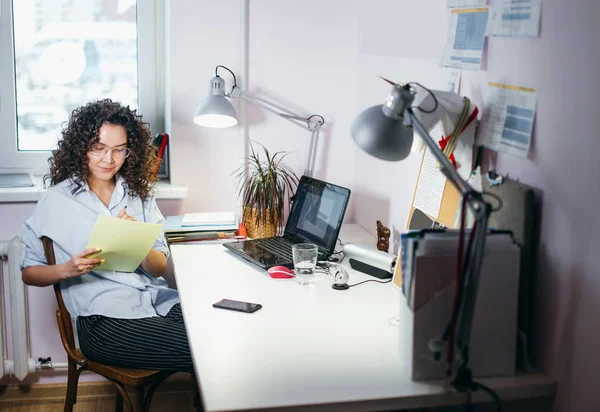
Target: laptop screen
x: 317, y: 213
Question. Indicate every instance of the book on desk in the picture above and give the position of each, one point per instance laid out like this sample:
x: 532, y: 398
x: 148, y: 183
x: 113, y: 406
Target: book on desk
x: 208, y: 219
x: 175, y: 231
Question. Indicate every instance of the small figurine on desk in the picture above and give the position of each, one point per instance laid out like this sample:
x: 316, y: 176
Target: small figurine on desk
x: 383, y: 237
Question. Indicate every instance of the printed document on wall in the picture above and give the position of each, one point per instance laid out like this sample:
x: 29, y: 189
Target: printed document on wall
x: 514, y: 18
x: 431, y: 182
x: 507, y: 120
x: 466, y: 38
x: 454, y: 81
x: 466, y: 3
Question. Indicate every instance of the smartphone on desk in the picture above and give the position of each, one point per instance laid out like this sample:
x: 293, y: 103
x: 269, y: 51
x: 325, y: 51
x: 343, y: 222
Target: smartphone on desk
x: 237, y: 305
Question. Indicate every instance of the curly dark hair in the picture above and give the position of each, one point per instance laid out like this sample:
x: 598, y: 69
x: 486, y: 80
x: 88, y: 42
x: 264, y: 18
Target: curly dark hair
x: 69, y: 159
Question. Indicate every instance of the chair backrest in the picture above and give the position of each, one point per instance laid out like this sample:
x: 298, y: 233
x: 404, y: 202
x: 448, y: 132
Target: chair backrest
x: 65, y: 325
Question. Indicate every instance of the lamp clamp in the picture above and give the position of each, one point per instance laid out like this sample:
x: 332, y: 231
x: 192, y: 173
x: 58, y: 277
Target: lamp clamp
x: 400, y: 98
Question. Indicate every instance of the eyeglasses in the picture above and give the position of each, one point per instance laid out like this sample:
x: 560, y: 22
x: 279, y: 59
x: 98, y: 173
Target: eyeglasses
x: 100, y: 150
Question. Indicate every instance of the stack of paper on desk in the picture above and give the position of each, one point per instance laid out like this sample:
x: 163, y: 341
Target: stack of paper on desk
x: 174, y: 225
x: 208, y: 219
x: 175, y: 231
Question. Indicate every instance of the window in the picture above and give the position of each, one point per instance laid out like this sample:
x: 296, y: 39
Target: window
x: 65, y: 53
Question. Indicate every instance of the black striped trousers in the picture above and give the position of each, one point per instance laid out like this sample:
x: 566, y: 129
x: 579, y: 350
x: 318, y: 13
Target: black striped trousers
x: 146, y: 343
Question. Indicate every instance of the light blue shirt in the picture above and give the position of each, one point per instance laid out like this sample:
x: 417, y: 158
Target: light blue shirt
x: 67, y: 213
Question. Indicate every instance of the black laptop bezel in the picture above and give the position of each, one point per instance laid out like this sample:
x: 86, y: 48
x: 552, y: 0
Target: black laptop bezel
x: 293, y: 234
x: 269, y: 259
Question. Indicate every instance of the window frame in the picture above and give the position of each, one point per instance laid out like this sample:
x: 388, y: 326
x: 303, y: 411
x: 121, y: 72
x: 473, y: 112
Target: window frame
x: 151, y: 84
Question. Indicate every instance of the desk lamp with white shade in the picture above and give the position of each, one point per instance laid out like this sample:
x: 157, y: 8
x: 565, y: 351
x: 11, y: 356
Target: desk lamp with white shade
x: 217, y: 112
x: 386, y: 132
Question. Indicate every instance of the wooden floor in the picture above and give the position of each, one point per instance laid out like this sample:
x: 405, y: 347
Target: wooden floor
x: 160, y: 403
x: 172, y: 395
x: 177, y: 403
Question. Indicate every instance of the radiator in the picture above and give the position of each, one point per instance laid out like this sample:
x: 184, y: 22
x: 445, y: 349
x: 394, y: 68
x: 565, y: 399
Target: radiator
x: 21, y: 364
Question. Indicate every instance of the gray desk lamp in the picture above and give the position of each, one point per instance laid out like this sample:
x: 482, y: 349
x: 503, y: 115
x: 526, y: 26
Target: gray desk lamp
x: 217, y: 112
x: 386, y: 132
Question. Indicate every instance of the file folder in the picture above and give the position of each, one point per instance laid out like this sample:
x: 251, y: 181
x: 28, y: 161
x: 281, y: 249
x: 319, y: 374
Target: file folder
x: 494, y: 331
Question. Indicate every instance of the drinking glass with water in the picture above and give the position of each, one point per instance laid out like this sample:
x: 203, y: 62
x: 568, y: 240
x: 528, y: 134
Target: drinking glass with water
x: 305, y: 261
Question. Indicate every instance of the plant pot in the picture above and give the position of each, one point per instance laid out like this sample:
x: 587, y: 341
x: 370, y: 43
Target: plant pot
x: 262, y: 228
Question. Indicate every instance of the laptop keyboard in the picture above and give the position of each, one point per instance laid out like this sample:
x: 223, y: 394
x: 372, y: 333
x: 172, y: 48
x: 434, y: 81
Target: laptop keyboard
x: 277, y: 246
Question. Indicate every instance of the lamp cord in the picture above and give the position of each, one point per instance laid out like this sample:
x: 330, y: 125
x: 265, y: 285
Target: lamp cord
x: 315, y: 115
x: 432, y: 95
x: 223, y: 67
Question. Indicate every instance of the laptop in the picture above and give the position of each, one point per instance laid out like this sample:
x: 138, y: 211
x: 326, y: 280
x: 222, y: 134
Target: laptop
x: 316, y: 216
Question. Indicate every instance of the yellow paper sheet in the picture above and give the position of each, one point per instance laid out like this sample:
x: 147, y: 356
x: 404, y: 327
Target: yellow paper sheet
x: 124, y: 243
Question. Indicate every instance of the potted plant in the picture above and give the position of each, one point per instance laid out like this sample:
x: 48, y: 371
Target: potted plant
x: 264, y: 191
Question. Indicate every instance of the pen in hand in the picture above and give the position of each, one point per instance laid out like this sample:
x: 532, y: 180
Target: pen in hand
x: 123, y: 215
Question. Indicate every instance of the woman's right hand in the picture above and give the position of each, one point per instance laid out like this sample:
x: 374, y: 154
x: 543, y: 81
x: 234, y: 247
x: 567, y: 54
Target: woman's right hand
x: 80, y: 264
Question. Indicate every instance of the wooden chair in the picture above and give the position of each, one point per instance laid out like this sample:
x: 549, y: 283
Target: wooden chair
x: 120, y: 377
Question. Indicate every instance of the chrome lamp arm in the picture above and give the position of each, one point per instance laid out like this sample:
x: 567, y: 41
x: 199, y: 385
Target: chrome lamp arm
x: 470, y: 269
x: 312, y: 123
x: 400, y: 105
x: 216, y: 111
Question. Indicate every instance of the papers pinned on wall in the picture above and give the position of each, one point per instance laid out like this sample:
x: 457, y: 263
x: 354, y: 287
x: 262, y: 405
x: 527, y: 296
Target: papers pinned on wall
x: 454, y: 81
x: 466, y: 38
x: 431, y: 181
x: 434, y: 196
x: 507, y: 121
x: 514, y: 18
x: 466, y: 3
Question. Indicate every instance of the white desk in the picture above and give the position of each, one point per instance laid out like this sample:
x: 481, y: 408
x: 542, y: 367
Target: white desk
x: 307, y: 345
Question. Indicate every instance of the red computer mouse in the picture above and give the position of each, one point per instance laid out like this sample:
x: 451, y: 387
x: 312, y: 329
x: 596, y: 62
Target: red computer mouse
x: 280, y: 272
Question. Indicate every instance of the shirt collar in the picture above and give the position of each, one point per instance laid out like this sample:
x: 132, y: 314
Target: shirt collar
x: 121, y: 186
x: 82, y: 185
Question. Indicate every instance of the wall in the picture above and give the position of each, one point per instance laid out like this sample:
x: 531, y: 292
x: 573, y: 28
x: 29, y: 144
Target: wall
x: 203, y: 36
x: 562, y: 66
x: 296, y: 60
x: 384, y: 189
x: 301, y: 60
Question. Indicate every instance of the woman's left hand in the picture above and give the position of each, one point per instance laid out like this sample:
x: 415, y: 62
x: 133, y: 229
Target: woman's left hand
x: 123, y: 215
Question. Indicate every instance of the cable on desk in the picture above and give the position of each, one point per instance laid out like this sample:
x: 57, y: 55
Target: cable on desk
x: 325, y: 266
x: 489, y: 390
x: 468, y: 404
x: 337, y: 257
x: 370, y: 280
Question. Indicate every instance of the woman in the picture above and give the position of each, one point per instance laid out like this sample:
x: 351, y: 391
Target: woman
x: 104, y: 165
